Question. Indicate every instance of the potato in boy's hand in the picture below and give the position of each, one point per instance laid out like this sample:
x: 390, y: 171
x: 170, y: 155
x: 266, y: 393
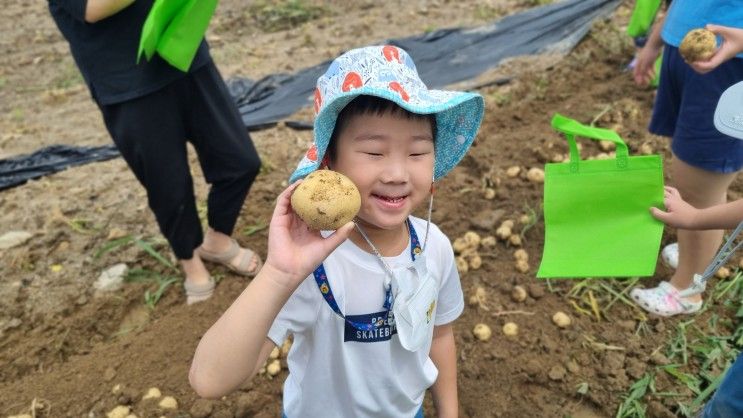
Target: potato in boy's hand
x: 326, y: 200
x: 698, y: 45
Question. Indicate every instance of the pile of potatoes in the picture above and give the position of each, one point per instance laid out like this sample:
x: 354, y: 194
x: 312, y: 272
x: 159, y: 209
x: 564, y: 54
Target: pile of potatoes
x: 479, y: 298
x: 153, y: 395
x: 506, y: 234
x: 466, y: 248
x: 534, y: 174
x: 273, y: 364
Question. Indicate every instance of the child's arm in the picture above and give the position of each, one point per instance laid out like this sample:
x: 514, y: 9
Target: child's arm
x: 682, y: 215
x: 644, y: 70
x: 732, y: 45
x: 236, y: 345
x: 444, y: 356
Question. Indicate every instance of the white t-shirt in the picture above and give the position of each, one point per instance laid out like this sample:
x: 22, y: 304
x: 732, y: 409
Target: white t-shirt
x: 336, y: 370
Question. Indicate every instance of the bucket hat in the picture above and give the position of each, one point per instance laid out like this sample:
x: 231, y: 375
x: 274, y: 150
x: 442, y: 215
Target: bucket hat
x: 729, y: 111
x: 388, y: 72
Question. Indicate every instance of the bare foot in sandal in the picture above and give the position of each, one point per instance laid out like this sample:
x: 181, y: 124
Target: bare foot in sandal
x: 222, y: 249
x: 199, y: 285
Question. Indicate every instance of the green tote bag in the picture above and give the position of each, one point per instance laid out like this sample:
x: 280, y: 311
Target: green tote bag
x: 175, y: 28
x: 596, y: 213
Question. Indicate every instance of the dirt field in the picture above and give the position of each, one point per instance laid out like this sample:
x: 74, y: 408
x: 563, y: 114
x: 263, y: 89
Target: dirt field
x: 66, y: 350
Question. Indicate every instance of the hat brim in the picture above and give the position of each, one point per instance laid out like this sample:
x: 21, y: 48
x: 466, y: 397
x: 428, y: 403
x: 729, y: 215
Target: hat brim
x: 458, y: 118
x: 729, y: 111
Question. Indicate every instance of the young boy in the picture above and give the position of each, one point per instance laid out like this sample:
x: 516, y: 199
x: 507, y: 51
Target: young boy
x: 348, y: 297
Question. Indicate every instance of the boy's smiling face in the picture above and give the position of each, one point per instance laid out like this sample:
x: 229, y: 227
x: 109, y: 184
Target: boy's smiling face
x: 390, y: 158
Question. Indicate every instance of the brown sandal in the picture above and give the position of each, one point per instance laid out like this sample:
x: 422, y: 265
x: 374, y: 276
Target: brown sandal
x: 225, y: 257
x: 198, y: 292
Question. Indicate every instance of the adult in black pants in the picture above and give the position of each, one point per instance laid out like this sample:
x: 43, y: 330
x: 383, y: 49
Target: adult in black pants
x: 151, y: 110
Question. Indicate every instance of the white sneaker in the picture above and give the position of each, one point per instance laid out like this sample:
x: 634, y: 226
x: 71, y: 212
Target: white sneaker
x: 664, y: 300
x: 670, y: 255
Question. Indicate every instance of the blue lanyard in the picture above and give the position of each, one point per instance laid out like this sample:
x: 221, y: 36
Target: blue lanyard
x: 321, y: 278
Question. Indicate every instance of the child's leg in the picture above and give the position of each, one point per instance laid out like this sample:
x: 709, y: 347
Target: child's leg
x: 702, y: 189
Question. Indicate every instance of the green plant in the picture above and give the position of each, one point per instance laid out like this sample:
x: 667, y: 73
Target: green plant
x: 162, y: 281
x: 487, y: 12
x: 700, y: 353
x: 501, y: 99
x: 632, y: 405
x: 252, y: 229
x: 68, y: 76
x: 148, y: 246
x: 533, y: 219
x: 148, y: 276
x: 82, y: 226
x: 273, y: 16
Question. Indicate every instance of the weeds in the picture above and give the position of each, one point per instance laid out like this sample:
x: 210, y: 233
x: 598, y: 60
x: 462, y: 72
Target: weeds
x: 488, y: 12
x: 252, y: 229
x: 68, y: 77
x: 533, y: 219
x: 533, y: 3
x: 161, y: 281
x: 501, y: 99
x: 595, y: 298
x: 148, y: 276
x: 274, y: 16
x: 633, y: 405
x: 82, y: 226
x: 146, y: 246
x: 700, y: 351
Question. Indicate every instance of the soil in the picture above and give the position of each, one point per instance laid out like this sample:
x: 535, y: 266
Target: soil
x: 67, y: 350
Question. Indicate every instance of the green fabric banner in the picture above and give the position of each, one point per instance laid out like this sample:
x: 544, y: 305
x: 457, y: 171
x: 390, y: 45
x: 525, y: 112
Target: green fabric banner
x: 596, y: 213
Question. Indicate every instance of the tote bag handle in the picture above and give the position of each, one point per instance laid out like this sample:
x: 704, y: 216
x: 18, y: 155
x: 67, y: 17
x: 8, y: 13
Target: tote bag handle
x: 572, y: 128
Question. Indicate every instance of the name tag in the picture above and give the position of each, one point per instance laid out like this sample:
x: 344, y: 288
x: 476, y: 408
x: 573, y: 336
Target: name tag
x: 384, y: 330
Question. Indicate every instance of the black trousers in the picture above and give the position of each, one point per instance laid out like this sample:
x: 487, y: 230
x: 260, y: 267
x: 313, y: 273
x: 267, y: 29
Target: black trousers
x: 151, y: 133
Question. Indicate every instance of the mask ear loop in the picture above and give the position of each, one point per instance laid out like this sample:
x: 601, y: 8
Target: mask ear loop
x: 430, y: 209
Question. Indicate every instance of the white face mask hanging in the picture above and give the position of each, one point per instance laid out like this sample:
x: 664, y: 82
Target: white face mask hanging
x: 414, y: 293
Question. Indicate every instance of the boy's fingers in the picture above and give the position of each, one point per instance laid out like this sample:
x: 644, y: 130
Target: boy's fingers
x: 283, y: 201
x: 659, y: 214
x: 336, y: 238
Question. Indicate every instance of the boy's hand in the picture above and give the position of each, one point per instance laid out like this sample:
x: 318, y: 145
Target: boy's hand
x: 678, y: 213
x: 732, y: 45
x: 294, y: 250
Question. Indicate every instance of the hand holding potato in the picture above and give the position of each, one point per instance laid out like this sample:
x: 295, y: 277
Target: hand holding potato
x: 295, y: 250
x: 326, y: 200
x: 732, y: 45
